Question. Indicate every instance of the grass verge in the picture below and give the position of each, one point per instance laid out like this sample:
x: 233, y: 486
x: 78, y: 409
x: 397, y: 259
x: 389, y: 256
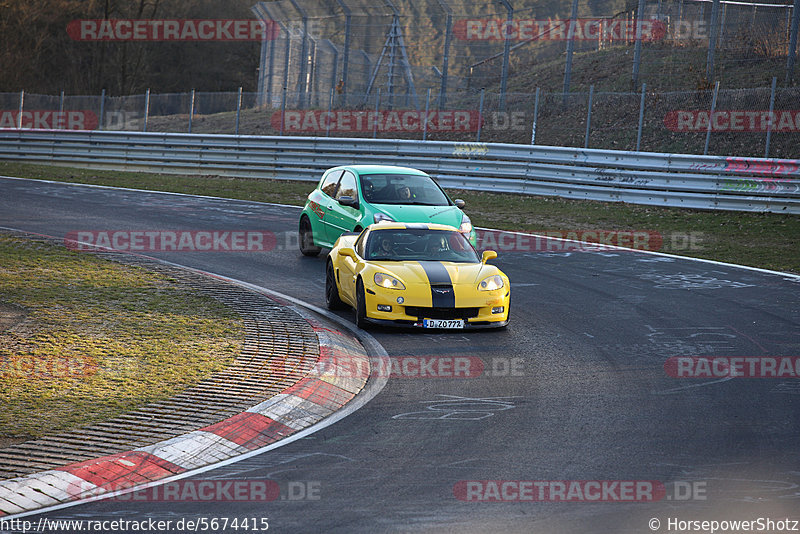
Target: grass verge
x: 83, y: 339
x: 766, y: 240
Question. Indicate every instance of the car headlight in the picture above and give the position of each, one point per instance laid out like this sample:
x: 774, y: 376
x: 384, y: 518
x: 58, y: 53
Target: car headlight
x: 466, y: 225
x: 389, y: 282
x: 491, y: 283
x: 381, y: 217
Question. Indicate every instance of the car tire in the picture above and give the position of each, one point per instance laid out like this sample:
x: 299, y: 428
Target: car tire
x: 361, y: 306
x: 332, y: 299
x: 306, y: 237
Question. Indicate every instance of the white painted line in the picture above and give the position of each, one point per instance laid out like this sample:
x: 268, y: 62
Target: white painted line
x: 796, y: 277
x: 96, y: 186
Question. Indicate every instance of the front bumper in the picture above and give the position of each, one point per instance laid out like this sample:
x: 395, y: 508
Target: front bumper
x: 474, y: 308
x: 417, y: 324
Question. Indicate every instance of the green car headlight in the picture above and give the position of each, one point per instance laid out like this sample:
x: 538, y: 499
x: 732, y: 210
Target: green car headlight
x: 491, y: 283
x: 387, y: 281
x: 381, y: 217
x: 466, y: 225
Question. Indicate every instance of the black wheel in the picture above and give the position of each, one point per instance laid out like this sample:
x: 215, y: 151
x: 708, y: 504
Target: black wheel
x: 307, y: 246
x: 331, y: 291
x: 361, y: 306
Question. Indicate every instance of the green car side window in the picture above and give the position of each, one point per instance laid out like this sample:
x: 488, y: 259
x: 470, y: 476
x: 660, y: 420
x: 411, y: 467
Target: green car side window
x: 330, y: 182
x: 347, y: 186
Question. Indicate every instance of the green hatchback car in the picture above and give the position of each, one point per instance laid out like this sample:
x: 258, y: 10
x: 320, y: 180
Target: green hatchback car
x: 351, y: 197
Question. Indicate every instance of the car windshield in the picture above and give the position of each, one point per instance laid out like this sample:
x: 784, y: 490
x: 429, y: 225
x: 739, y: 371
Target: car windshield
x: 402, y: 189
x: 419, y: 245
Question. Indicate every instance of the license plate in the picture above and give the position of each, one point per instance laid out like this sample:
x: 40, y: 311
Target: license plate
x: 443, y: 323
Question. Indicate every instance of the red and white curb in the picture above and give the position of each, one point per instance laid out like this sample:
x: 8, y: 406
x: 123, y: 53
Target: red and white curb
x: 328, y: 388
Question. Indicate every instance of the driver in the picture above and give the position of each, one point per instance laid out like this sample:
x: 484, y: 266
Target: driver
x: 404, y: 192
x: 385, y: 248
x: 368, y: 190
x: 439, y: 245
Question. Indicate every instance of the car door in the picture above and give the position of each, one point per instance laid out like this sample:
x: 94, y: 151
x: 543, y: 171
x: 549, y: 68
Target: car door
x: 325, y: 201
x: 343, y: 218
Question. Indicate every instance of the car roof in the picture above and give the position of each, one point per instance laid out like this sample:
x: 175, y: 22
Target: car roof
x: 409, y: 226
x: 383, y: 169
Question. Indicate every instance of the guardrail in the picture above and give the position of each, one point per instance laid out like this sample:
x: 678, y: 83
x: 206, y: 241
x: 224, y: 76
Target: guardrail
x: 678, y: 180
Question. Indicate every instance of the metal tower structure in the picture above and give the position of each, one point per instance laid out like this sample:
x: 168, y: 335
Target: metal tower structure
x: 398, y: 64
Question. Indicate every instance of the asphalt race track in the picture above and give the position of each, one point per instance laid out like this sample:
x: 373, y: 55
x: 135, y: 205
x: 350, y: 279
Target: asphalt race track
x: 574, y: 390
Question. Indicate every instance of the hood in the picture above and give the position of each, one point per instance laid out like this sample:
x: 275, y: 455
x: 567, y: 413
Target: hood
x: 438, y: 272
x: 449, y: 215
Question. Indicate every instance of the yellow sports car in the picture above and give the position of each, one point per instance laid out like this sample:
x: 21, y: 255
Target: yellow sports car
x: 420, y: 275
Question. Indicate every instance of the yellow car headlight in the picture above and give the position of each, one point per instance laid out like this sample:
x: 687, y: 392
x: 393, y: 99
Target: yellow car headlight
x: 387, y: 281
x: 491, y: 283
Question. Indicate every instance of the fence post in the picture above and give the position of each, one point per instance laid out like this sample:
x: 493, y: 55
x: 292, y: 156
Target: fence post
x: 793, y: 43
x: 480, y: 117
x: 641, y: 119
x: 61, y: 110
x: 283, y: 110
x: 588, y: 117
x: 570, y: 48
x: 712, y: 40
x: 771, y: 109
x: 711, y: 115
x: 191, y: 111
x: 377, y: 106
x: 330, y: 108
x: 637, y: 51
x: 425, y: 120
x: 238, y: 109
x: 102, y: 109
x: 21, y: 106
x: 448, y: 37
x: 506, y: 53
x: 146, y: 108
x: 535, y: 116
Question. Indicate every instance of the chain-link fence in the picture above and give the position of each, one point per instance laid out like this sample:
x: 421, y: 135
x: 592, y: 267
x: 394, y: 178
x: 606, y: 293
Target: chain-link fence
x: 745, y: 122
x: 402, y: 47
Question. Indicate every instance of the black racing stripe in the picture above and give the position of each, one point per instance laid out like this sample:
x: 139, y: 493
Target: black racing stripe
x: 442, y: 293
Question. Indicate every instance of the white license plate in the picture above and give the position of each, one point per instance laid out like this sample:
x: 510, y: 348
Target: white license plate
x: 443, y: 323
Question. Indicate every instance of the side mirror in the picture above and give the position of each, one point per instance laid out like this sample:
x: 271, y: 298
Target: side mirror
x: 459, y: 203
x: 488, y: 255
x: 350, y: 252
x: 348, y: 201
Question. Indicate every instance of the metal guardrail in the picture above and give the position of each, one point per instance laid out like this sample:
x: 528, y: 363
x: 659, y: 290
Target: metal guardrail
x: 678, y: 180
